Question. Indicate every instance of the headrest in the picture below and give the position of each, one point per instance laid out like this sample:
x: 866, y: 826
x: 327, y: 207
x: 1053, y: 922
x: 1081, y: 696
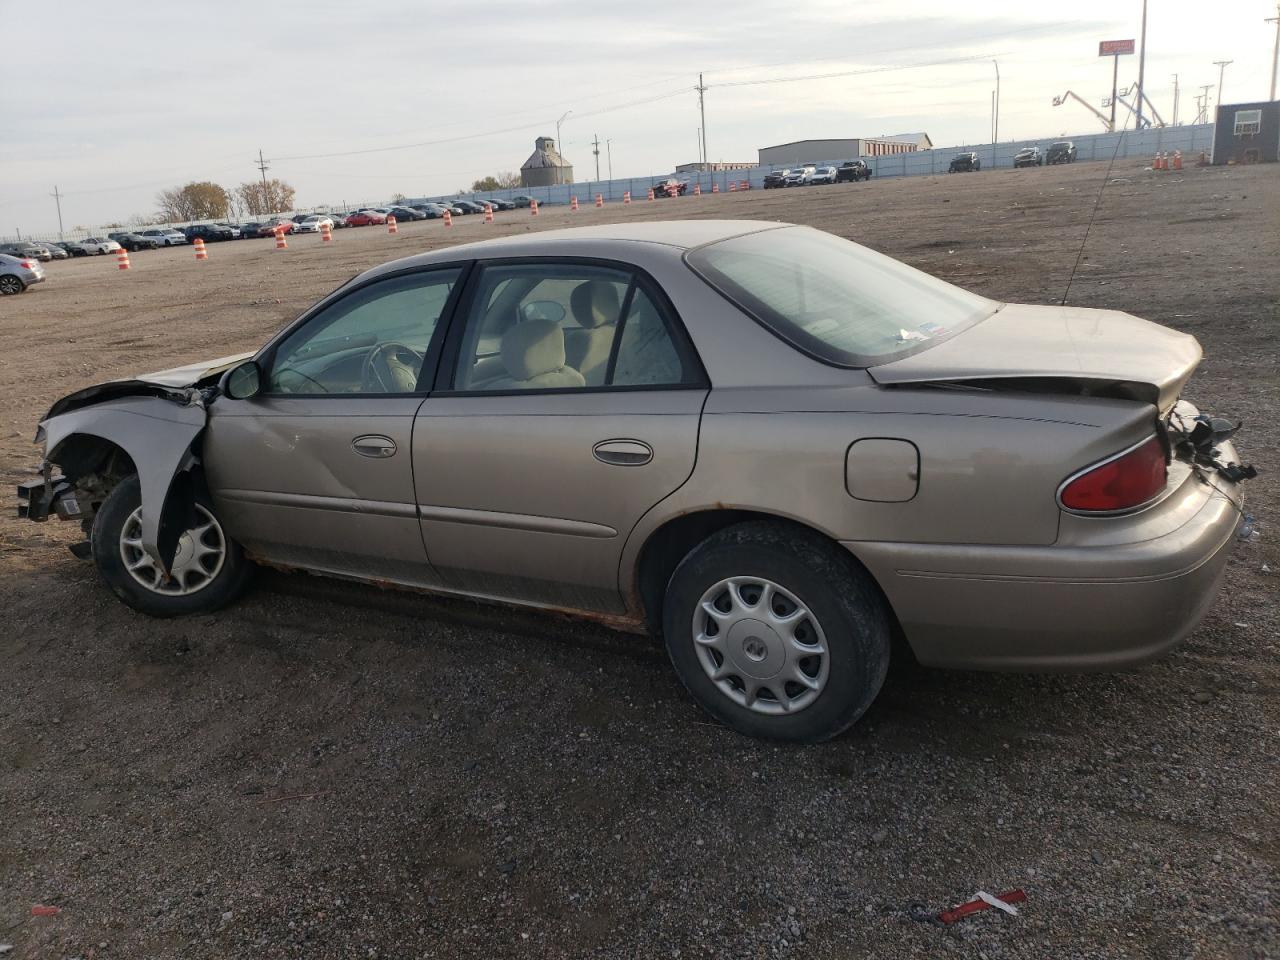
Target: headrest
x: 532, y: 348
x: 595, y: 303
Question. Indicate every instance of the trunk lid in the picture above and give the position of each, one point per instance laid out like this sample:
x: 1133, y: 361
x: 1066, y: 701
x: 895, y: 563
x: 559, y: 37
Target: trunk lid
x: 1058, y: 349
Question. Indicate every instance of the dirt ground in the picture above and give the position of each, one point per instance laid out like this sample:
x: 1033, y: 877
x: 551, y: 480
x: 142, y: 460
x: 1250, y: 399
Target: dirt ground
x: 328, y: 770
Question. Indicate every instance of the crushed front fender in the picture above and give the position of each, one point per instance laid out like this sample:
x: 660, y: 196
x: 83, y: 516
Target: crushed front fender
x: 159, y: 435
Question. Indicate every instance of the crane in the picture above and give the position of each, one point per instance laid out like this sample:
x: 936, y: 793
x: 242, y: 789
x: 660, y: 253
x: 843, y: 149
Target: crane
x: 1059, y: 101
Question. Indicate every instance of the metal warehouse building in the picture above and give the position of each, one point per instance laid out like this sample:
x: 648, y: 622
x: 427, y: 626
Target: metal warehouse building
x: 1247, y: 133
x: 818, y: 151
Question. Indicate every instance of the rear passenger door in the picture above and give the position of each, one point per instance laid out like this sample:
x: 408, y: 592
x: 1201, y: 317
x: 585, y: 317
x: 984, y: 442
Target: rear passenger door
x: 567, y: 404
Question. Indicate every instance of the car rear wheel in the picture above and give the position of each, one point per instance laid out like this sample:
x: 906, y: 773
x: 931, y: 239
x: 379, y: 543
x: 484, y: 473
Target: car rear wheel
x: 776, y: 633
x: 209, y: 569
x: 9, y: 285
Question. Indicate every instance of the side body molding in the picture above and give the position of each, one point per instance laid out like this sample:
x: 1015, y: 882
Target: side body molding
x: 157, y: 434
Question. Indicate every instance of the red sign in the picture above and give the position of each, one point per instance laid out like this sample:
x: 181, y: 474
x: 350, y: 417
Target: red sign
x: 1114, y: 48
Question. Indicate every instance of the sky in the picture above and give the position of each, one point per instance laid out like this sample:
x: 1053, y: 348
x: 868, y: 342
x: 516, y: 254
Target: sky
x: 112, y: 103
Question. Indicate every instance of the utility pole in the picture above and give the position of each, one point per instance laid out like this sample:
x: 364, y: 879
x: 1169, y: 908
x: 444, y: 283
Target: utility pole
x: 697, y: 140
x: 1275, y: 54
x: 595, y: 148
x: 266, y: 194
x: 57, y: 198
x: 1175, y: 103
x: 702, y: 112
x: 1203, y: 100
x: 1222, y: 68
x: 608, y: 149
x: 1142, y: 65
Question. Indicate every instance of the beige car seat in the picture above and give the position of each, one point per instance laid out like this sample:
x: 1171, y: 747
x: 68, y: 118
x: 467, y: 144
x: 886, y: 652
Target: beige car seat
x: 533, y: 353
x: 595, y: 308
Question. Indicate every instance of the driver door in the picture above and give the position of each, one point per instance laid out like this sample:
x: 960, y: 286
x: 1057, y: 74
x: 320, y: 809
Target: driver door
x: 316, y: 470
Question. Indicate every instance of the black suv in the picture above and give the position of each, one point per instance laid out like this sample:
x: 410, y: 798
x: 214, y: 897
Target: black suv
x: 133, y: 242
x: 1028, y: 157
x: 964, y: 163
x: 208, y: 232
x: 851, y: 171
x: 1064, y: 151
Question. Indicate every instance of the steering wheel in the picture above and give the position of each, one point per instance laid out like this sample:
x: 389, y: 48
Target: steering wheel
x: 391, y: 367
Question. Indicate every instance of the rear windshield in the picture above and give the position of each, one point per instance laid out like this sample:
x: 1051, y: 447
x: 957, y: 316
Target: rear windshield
x: 836, y: 300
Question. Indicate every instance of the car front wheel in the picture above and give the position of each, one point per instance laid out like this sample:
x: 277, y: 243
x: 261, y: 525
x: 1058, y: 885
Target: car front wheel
x: 776, y: 633
x: 208, y: 571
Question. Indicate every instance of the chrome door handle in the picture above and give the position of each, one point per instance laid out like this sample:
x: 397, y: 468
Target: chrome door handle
x: 623, y: 453
x: 374, y: 445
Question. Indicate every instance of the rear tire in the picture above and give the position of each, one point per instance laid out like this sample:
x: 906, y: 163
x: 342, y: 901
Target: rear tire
x: 776, y: 633
x: 210, y: 569
x: 11, y: 285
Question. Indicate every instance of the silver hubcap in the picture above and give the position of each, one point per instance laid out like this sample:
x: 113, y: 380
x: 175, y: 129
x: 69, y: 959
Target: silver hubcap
x: 201, y: 552
x: 760, y: 645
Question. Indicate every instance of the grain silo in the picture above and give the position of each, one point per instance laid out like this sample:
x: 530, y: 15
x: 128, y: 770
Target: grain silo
x: 545, y: 167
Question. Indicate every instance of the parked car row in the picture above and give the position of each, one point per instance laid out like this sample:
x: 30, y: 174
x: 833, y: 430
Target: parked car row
x: 809, y: 175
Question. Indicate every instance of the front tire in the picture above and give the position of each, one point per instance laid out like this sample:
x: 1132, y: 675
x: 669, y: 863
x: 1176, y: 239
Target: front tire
x: 776, y: 633
x: 208, y: 571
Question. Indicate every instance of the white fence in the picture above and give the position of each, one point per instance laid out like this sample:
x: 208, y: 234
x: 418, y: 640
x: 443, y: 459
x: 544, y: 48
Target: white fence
x: 1191, y: 140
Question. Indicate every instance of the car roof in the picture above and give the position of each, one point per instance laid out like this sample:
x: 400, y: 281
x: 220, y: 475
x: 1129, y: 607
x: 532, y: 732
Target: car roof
x: 679, y: 234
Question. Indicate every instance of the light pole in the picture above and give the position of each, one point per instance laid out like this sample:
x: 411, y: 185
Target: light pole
x: 1175, y: 101
x: 1222, y: 68
x: 1275, y: 54
x: 995, y: 124
x: 608, y: 149
x: 558, y: 122
x: 1142, y: 66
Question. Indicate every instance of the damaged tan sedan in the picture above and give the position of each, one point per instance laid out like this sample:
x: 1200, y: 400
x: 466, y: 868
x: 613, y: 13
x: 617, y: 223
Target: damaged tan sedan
x: 773, y: 446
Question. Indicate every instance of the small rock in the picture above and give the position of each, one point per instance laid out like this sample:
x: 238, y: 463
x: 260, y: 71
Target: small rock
x: 880, y: 836
x: 1202, y: 696
x: 508, y: 868
x: 226, y: 917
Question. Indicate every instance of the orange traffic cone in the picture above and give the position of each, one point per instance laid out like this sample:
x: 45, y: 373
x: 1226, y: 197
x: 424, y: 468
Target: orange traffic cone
x: 715, y: 188
x: 626, y: 196
x: 651, y: 193
x: 533, y: 208
x: 697, y: 189
x: 281, y: 243
x: 122, y: 259
x: 448, y: 218
x: 326, y: 233
x: 599, y: 199
x: 488, y: 213
x: 573, y: 203
x: 1177, y: 159
x: 391, y: 224
x: 201, y: 253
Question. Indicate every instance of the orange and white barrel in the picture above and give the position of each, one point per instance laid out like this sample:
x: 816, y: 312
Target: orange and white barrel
x: 201, y: 252
x: 448, y: 218
x: 488, y: 213
x: 326, y: 233
x: 599, y: 199
x: 122, y: 259
x: 281, y: 243
x: 533, y: 208
x: 573, y: 204
x: 391, y: 224
x: 626, y: 196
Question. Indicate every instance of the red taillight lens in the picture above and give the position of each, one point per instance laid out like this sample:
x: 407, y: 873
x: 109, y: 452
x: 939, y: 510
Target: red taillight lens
x: 27, y: 264
x: 1127, y: 481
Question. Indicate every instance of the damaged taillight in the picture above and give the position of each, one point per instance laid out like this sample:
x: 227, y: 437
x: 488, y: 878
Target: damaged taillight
x: 1125, y: 481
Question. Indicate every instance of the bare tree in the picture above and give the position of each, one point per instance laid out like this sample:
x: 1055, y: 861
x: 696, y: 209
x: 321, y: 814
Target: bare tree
x: 259, y: 200
x: 502, y: 181
x: 195, y: 201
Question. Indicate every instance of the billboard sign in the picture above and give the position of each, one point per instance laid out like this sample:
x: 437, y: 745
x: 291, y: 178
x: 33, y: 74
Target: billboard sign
x: 1114, y: 48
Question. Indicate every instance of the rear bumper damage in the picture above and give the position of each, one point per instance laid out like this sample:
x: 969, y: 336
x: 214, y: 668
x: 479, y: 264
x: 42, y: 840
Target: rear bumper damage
x: 1107, y: 595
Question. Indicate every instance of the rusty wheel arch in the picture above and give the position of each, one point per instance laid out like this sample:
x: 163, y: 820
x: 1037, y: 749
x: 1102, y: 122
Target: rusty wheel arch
x: 672, y: 542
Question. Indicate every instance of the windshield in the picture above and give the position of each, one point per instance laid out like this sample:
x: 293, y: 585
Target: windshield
x: 834, y: 299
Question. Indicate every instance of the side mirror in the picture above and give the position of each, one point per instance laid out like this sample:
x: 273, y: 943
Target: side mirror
x: 243, y: 382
